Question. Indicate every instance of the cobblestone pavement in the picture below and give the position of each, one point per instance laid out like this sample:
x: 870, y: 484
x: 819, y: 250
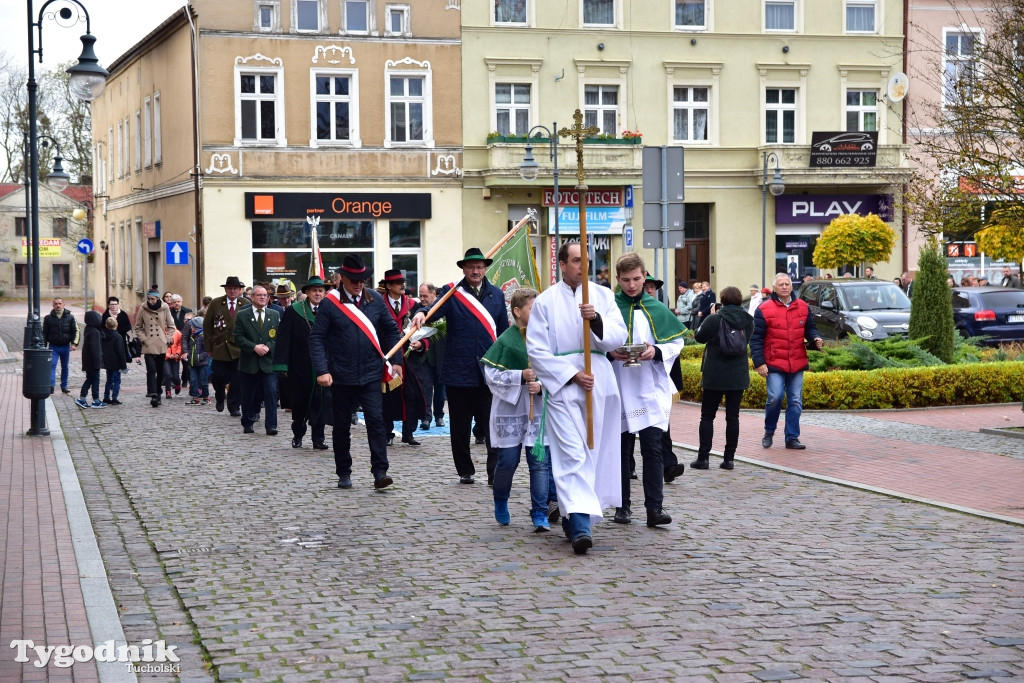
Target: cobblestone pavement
x: 238, y: 549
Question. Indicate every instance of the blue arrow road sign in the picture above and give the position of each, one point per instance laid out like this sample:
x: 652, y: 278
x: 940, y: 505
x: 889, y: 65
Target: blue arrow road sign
x: 177, y: 253
x: 85, y: 246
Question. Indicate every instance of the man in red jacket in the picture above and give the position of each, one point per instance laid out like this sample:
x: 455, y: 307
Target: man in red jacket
x: 781, y: 326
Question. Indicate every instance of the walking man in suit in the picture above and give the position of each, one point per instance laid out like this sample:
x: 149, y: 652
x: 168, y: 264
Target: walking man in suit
x: 218, y: 335
x: 255, y: 336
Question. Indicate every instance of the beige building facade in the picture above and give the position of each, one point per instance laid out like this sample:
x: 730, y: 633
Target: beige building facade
x: 730, y: 83
x: 339, y: 116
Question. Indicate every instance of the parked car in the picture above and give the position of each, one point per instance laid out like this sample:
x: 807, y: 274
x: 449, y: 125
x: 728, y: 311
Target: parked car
x: 869, y: 309
x: 996, y: 313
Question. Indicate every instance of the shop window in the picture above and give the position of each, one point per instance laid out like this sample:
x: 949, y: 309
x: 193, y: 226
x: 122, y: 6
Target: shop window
x: 405, y: 242
x: 601, y: 108
x: 512, y: 103
x: 60, y: 275
x: 281, y: 249
x: 690, y: 114
x: 861, y: 110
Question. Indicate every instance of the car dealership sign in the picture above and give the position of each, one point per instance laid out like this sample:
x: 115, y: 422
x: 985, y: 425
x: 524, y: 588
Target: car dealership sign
x: 839, y: 149
x: 822, y: 208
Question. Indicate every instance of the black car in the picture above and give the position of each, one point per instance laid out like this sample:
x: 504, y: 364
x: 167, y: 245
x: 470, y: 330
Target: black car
x: 996, y: 313
x: 869, y: 309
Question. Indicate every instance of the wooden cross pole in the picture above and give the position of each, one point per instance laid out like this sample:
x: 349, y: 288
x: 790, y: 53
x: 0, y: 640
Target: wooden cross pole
x: 578, y: 132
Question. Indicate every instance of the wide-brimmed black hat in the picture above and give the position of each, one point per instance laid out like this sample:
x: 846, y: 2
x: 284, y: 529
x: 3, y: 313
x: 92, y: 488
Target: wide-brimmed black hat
x: 233, y: 281
x: 474, y: 254
x: 353, y: 268
x: 393, y: 276
x: 313, y: 282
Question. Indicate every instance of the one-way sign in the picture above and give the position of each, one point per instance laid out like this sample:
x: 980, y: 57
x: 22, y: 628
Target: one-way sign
x: 177, y: 254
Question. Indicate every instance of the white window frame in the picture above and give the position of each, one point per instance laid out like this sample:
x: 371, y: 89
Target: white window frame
x: 137, y: 140
x: 616, y: 18
x: 695, y: 75
x: 406, y: 251
x: 512, y: 107
x: 789, y: 76
x: 527, y: 21
x: 409, y: 68
x: 781, y: 108
x: 110, y: 154
x: 147, y: 132
x: 158, y: 139
x: 979, y: 38
x: 861, y: 77
x: 689, y: 107
x: 354, y: 140
x: 371, y: 19
x: 275, y: 16
x: 861, y: 109
x: 601, y: 108
x: 708, y: 14
x: 798, y: 18
x: 120, y: 150
x: 127, y: 148
x: 517, y: 71
x: 874, y: 4
x: 321, y: 17
x: 277, y: 70
x: 406, y: 30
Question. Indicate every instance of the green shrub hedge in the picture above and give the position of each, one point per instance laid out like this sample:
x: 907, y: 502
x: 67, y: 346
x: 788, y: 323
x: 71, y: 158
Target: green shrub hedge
x: 944, y: 385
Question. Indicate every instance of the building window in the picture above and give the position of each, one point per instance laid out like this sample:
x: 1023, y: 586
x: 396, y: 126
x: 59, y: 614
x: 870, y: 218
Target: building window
x: 60, y: 227
x: 259, y: 103
x: 779, y: 15
x: 335, y: 107
x: 861, y: 110
x: 268, y: 16
x: 357, y: 16
x: 690, y: 114
x: 780, y: 115
x: 266, y: 20
x: 307, y: 15
x: 120, y: 153
x: 960, y: 66
x: 110, y: 153
x: 398, y: 21
x: 127, y: 148
x: 691, y: 14
x: 60, y: 275
x: 20, y: 227
x: 158, y: 145
x: 860, y: 16
x: 598, y: 12
x: 404, y: 239
x: 601, y: 108
x: 406, y: 103
x: 21, y: 275
x: 512, y: 102
x: 147, y: 132
x: 510, y: 12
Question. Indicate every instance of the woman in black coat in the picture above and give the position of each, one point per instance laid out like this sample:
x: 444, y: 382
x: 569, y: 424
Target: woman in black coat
x: 722, y: 375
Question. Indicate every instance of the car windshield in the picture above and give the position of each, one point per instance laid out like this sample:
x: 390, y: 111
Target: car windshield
x: 1000, y: 300
x: 873, y: 297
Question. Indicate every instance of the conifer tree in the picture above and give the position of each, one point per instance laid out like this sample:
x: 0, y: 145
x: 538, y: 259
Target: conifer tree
x: 931, y: 309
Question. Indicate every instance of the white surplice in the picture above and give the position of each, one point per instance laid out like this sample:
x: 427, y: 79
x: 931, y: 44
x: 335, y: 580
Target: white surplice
x: 587, y: 481
x: 510, y: 421
x: 646, y: 392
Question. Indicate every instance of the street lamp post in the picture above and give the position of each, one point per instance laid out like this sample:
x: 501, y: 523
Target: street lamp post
x: 106, y: 270
x: 777, y: 186
x: 530, y: 169
x: 87, y: 81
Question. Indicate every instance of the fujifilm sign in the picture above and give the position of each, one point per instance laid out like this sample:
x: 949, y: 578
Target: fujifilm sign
x: 822, y: 208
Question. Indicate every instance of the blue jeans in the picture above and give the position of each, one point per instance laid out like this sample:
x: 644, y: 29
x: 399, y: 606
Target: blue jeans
x: 790, y: 384
x: 199, y: 382
x: 62, y: 354
x: 112, y: 388
x: 540, y: 476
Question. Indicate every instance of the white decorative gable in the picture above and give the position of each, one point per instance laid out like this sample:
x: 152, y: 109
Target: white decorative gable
x: 333, y: 54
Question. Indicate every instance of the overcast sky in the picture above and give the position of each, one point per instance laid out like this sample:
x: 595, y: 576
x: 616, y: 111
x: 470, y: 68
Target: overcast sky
x: 117, y: 25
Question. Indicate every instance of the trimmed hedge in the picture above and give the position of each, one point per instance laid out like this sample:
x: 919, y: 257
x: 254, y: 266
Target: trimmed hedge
x: 944, y: 385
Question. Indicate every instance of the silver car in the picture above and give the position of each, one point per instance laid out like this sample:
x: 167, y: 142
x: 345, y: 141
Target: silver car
x: 869, y: 309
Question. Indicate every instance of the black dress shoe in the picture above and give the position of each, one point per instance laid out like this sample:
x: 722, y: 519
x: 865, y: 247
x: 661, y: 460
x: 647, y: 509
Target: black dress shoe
x: 296, y: 443
x: 466, y: 479
x: 701, y: 463
x: 632, y: 474
x: 248, y: 430
x: 674, y: 471
x: 726, y: 464
x: 480, y: 440
x: 411, y: 441
x: 220, y: 405
x: 657, y: 517
x: 319, y: 446
x: 622, y: 516
x: 271, y: 432
x: 344, y: 482
x: 581, y: 544
x: 766, y: 440
x: 382, y: 481
x: 439, y: 422
x: 236, y: 413
x: 424, y: 425
x: 795, y: 444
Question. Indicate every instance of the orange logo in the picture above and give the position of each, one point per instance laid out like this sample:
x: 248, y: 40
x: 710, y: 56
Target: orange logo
x: 263, y: 205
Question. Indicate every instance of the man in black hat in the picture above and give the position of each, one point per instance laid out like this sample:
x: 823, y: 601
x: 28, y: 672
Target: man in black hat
x: 476, y: 316
x: 408, y: 405
x: 310, y: 403
x: 351, y: 333
x: 219, y: 337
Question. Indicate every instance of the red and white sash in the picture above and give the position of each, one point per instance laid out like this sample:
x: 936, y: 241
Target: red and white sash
x: 360, y: 320
x: 478, y: 311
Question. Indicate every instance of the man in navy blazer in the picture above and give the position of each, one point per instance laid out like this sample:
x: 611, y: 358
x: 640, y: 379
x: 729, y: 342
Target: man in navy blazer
x: 476, y: 316
x: 256, y: 335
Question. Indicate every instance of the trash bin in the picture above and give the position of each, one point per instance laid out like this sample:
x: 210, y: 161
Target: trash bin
x: 36, y: 377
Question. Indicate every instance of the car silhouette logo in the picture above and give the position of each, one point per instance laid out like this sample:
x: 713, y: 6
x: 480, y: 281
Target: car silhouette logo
x: 846, y: 142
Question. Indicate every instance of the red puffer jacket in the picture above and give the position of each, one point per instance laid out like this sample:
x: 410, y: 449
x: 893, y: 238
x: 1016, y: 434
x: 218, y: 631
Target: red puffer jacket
x: 779, y: 335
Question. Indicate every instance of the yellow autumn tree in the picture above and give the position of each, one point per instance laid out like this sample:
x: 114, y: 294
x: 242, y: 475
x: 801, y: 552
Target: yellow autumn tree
x: 851, y: 238
x: 1003, y: 238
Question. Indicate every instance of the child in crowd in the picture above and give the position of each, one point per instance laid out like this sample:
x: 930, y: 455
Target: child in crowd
x: 92, y: 361
x: 514, y: 421
x: 114, y: 361
x: 172, y: 361
x: 194, y: 349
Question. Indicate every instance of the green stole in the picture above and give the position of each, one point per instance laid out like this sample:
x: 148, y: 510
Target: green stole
x: 664, y: 325
x: 508, y: 352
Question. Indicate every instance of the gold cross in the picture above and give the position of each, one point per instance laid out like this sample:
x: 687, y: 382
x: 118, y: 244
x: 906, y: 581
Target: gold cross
x: 579, y: 133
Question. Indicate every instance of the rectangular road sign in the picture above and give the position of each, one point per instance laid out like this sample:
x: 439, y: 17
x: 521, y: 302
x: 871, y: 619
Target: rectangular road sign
x: 176, y: 253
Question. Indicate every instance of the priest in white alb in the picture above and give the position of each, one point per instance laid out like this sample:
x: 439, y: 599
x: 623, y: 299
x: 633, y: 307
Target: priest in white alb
x: 587, y: 480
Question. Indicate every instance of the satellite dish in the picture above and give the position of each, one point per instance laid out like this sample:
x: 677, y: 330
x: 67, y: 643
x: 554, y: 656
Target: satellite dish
x: 899, y: 84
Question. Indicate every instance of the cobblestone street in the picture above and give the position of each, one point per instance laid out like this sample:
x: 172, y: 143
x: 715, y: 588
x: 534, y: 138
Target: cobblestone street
x: 240, y: 550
